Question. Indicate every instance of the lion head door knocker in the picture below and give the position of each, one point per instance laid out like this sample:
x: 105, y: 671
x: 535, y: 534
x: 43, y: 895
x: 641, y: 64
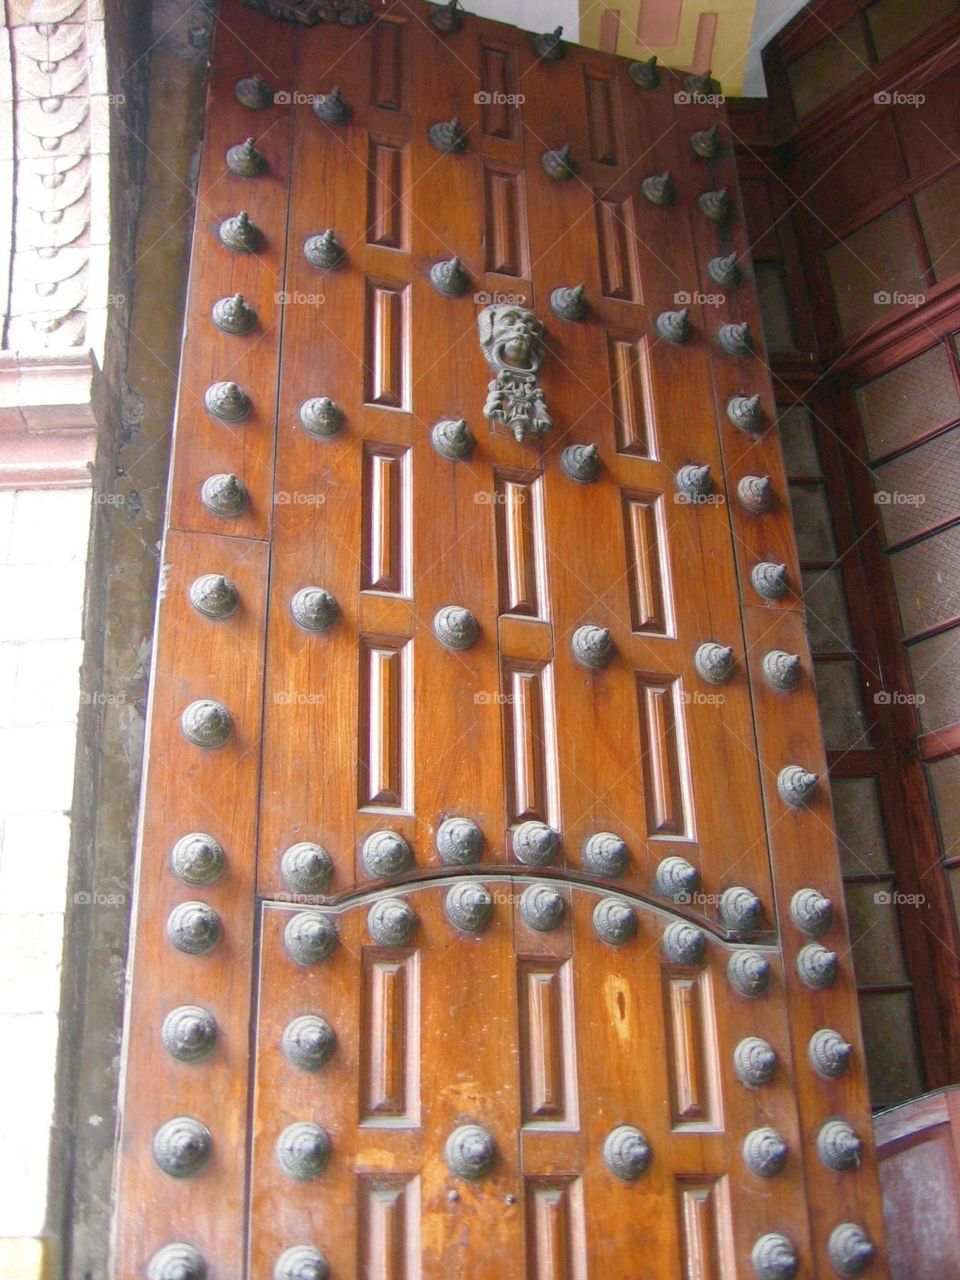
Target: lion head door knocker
x: 512, y: 341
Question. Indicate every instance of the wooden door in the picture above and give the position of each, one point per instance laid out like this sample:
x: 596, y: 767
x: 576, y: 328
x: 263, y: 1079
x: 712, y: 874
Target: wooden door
x: 456, y: 954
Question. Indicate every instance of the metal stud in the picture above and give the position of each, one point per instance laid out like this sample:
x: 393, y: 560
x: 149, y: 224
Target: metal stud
x: 214, y: 596
x: 740, y: 909
x: 549, y: 46
x: 568, y: 302
x: 781, y: 670
x: 469, y: 906
x: 839, y: 1145
x: 449, y: 278
x: 456, y: 627
x: 391, y: 922
x: 754, y: 1061
x: 233, y: 315
x: 765, y: 1152
x: 239, y: 234
x: 677, y: 879
x: 224, y: 495
x: 308, y: 1042
x: 715, y: 205
x: 193, y: 928
x: 701, y: 84
x: 605, y: 854
x: 324, y: 251
x: 645, y: 74
x: 770, y: 580
x: 534, y: 843
x: 674, y: 326
x: 745, y: 412
x: 332, y: 107
x: 850, y: 1249
x: 795, y: 784
x: 755, y: 494
x: 227, y: 401
x: 314, y: 609
x: 811, y: 912
x: 459, y: 842
x: 581, y: 462
x: 447, y: 136
x: 724, y: 270
x: 694, y: 482
x: 189, y: 1033
x: 182, y: 1146
x: 245, y: 160
x: 321, y: 416
x: 447, y: 18
x: 197, y: 858
x: 660, y: 188
x: 684, y: 943
x: 254, y: 92
x: 714, y: 662
x: 829, y: 1053
x: 542, y: 907
x: 749, y: 973
x: 302, y: 1262
x: 706, y: 143
x: 177, y: 1261
x: 614, y: 921
x: 817, y: 966
x: 306, y: 868
x: 309, y: 938
x: 303, y: 1150
x: 627, y: 1153
x: 207, y: 723
x: 452, y: 439
x: 592, y: 646
x: 734, y: 339
x: 558, y: 163
x: 773, y: 1257
x: 470, y: 1151
x: 384, y: 854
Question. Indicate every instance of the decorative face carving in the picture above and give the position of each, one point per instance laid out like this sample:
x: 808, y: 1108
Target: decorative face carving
x: 511, y: 338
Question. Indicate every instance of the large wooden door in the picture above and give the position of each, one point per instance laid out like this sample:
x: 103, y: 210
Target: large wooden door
x: 481, y: 961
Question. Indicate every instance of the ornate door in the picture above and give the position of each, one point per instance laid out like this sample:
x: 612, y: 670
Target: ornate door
x: 488, y: 916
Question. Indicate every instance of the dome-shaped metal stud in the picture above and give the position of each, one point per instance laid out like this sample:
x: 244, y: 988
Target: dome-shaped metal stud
x: 684, y: 943
x: 749, y: 973
x: 459, y: 842
x: 224, y: 495
x: 592, y: 646
x: 306, y: 868
x: 309, y: 938
x: 449, y: 278
x: 308, y: 1042
x: 677, y: 879
x: 233, y: 315
x: 724, y: 270
x: 740, y: 910
x: 193, y: 928
x: 182, y: 1146
x: 755, y: 494
x: 754, y: 1061
x: 240, y: 235
x: 324, y: 251
x: 705, y: 143
x: 829, y: 1053
x: 701, y: 84
x: 781, y: 670
x: 332, y: 107
x: 549, y: 45
x: 614, y: 921
x: 254, y: 92
x: 581, y: 462
x: 456, y: 627
x: 197, y: 858
x: 246, y: 160
x: 542, y: 907
x: 765, y: 1152
x: 694, y: 482
x: 811, y: 912
x: 469, y: 906
x: 534, y: 843
x: 773, y: 1257
x: 177, y: 1261
x: 447, y: 18
x: 796, y: 784
x: 303, y: 1150
x: 207, y: 723
x: 660, y: 188
x: 227, y: 401
x: 626, y: 1152
x: 769, y: 580
x: 559, y: 164
x: 568, y: 302
x: 715, y: 205
x: 674, y: 326
x: 391, y: 922
x: 302, y: 1262
x: 321, y: 416
x: 447, y: 137
x: 188, y: 1033
x: 314, y: 609
x: 605, y: 854
x: 384, y: 854
x: 470, y: 1151
x: 714, y: 662
x: 817, y: 966
x: 214, y: 596
x: 850, y: 1249
x: 839, y: 1146
x: 452, y: 439
x: 645, y: 74
x: 745, y: 412
x: 734, y: 339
